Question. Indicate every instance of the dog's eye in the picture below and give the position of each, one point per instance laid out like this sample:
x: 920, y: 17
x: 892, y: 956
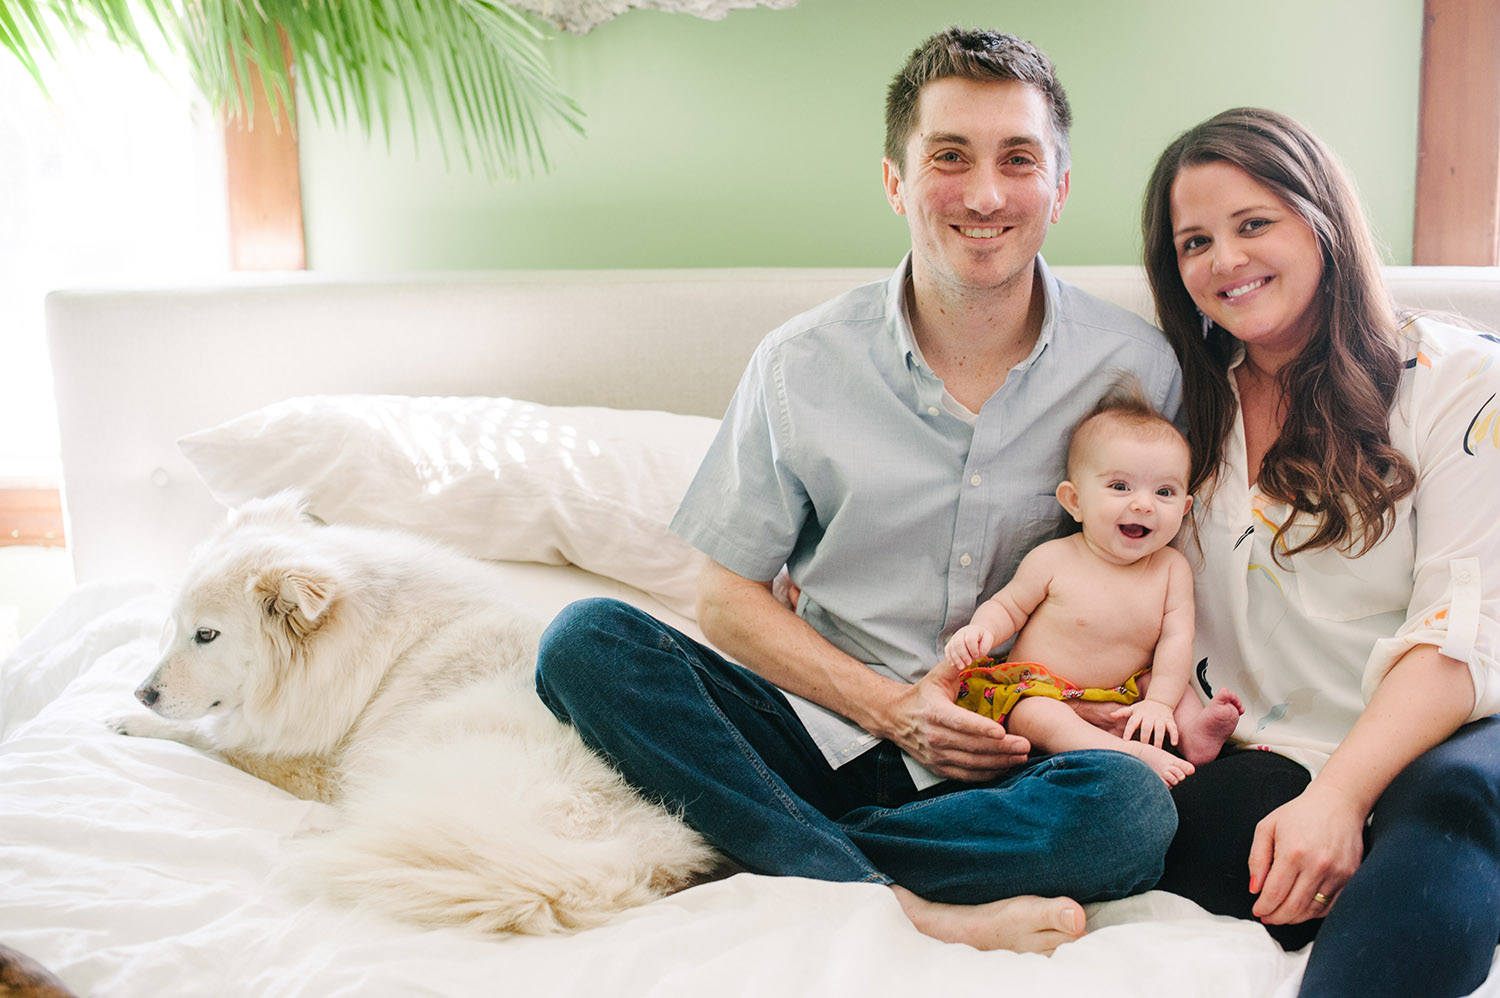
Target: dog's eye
x: 205, y: 635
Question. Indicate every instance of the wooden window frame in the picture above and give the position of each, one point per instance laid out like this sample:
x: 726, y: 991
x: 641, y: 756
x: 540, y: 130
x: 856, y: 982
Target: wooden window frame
x: 1457, y: 219
x: 264, y: 182
x: 31, y: 517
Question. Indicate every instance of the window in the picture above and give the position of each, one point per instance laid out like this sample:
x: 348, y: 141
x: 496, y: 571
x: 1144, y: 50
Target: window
x: 119, y: 178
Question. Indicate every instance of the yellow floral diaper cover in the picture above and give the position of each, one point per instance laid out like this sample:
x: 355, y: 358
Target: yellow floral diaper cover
x: 994, y: 688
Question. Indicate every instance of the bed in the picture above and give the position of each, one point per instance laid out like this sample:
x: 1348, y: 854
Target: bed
x: 546, y: 421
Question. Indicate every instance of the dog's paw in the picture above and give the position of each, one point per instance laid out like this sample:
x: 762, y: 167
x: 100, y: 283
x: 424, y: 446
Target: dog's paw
x: 139, y: 724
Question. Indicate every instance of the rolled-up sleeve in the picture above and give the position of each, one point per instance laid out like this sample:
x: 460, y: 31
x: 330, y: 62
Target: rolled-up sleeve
x: 1448, y: 417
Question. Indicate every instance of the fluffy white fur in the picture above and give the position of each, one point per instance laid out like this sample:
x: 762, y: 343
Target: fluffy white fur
x: 392, y: 677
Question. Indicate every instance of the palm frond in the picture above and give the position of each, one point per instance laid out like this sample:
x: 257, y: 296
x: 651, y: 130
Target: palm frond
x: 14, y: 34
x: 475, y: 65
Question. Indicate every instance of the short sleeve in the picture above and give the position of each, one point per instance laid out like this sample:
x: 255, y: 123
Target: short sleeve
x: 745, y: 507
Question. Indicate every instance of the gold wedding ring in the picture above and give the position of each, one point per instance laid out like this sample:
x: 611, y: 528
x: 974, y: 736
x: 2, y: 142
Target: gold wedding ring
x: 1320, y: 898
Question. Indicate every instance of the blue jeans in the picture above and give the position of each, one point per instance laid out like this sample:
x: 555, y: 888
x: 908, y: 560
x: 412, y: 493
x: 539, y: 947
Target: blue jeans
x: 721, y: 745
x: 1421, y: 915
x: 1426, y: 899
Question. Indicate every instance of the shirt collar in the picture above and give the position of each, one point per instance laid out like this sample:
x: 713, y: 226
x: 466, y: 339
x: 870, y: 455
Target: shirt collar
x: 1237, y: 355
x: 1051, y: 308
x: 898, y: 299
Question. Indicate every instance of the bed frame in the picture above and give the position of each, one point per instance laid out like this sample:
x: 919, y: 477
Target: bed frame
x: 145, y: 867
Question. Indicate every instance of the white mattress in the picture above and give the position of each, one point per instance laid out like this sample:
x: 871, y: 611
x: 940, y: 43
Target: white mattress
x: 142, y: 867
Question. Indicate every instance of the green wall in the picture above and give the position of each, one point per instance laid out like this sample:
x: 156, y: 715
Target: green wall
x: 755, y: 140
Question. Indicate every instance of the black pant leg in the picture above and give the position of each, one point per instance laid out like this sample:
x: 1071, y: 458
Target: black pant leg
x: 1218, y: 808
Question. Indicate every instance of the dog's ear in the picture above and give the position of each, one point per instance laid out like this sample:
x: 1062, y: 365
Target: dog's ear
x: 285, y: 507
x: 294, y: 596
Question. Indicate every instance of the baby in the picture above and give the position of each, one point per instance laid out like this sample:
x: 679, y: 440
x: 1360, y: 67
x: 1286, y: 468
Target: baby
x: 1110, y: 607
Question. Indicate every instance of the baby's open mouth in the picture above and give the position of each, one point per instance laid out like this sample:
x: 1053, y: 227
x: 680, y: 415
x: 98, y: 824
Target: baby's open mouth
x: 1135, y: 531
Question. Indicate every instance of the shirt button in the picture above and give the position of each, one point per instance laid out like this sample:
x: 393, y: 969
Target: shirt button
x: 964, y: 560
x: 974, y: 480
x: 932, y: 410
x: 1463, y: 575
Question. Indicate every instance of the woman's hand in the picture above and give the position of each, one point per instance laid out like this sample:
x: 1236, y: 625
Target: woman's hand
x: 1313, y: 843
x: 1310, y: 845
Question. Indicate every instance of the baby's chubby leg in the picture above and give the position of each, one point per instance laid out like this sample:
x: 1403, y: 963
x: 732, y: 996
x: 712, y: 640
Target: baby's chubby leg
x: 1053, y: 726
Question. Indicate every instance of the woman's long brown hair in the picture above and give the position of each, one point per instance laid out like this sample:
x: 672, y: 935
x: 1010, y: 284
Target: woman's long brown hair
x: 1333, y: 459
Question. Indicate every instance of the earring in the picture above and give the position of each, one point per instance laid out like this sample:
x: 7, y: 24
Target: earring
x: 1208, y: 323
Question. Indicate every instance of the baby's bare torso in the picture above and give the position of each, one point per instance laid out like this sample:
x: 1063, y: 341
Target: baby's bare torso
x: 1099, y: 622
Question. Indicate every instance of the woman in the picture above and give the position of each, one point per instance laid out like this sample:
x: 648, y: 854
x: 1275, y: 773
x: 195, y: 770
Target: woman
x: 1349, y: 571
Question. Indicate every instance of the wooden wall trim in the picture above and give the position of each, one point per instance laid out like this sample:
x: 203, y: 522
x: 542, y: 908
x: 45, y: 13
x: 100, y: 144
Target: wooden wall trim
x: 31, y: 518
x: 1457, y: 217
x: 265, y: 187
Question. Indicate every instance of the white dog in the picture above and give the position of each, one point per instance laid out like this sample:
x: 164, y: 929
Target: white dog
x: 392, y: 677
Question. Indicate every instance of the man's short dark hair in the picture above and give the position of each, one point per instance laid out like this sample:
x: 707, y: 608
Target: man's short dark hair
x: 983, y: 56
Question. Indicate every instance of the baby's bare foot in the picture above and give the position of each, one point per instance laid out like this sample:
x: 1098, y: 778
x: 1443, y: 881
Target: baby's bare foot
x: 1025, y: 924
x: 1166, y: 765
x: 1201, y: 738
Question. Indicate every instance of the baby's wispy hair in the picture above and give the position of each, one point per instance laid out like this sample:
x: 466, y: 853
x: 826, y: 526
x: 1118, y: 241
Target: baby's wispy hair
x: 1125, y: 405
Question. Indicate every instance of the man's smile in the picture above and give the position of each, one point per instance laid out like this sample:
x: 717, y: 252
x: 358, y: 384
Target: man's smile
x: 982, y: 232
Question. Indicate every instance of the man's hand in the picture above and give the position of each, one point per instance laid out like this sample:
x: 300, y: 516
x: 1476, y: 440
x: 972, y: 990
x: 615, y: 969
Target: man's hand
x: 921, y: 718
x: 953, y: 742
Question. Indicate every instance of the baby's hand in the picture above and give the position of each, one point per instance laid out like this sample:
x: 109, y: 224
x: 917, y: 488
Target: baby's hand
x: 1150, y: 719
x: 967, y: 644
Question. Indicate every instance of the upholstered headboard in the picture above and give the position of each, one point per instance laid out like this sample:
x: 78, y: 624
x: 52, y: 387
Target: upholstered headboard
x: 136, y: 368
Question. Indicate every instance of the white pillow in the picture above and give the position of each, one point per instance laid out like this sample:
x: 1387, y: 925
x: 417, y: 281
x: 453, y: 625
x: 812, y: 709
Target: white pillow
x: 498, y: 478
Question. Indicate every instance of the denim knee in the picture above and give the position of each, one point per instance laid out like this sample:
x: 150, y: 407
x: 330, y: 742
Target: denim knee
x: 1138, y: 800
x: 1135, y: 807
x: 566, y: 660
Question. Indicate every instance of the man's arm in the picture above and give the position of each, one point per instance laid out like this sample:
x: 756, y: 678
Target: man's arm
x: 742, y: 618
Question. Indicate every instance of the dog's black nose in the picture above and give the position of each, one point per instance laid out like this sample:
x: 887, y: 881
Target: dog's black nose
x: 148, y: 695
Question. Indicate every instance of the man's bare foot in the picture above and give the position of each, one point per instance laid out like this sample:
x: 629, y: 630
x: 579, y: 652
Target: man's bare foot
x: 1201, y: 737
x: 1025, y: 924
x: 1166, y: 765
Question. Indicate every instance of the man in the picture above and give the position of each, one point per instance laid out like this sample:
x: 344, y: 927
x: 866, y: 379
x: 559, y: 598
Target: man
x: 897, y: 449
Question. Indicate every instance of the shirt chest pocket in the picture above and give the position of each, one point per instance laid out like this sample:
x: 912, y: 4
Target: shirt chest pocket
x: 1043, y: 519
x: 1334, y: 586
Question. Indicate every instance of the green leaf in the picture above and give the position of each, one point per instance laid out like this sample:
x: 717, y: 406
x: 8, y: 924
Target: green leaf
x: 475, y: 65
x: 14, y: 36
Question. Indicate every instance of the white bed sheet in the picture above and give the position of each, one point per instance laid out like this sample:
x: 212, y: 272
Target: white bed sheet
x: 141, y: 867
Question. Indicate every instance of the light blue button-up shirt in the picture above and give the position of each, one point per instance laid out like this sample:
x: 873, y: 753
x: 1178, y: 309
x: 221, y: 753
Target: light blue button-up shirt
x: 838, y: 458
